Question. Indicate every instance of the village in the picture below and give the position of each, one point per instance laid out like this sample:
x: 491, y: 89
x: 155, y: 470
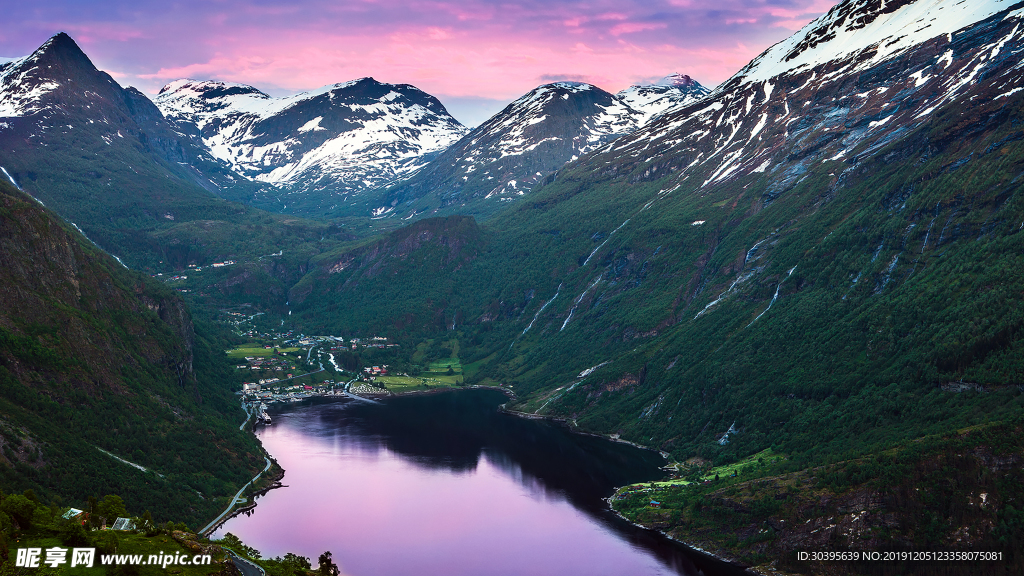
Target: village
x: 276, y: 364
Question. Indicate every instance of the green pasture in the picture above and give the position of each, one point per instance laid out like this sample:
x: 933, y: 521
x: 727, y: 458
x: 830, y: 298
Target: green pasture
x: 398, y: 384
x: 441, y: 366
x: 762, y: 458
x: 244, y: 351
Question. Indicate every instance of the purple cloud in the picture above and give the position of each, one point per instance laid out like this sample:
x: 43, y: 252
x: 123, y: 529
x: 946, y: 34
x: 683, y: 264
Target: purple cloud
x: 474, y: 49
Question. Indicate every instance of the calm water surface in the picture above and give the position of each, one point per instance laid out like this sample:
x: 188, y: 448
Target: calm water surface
x: 446, y: 484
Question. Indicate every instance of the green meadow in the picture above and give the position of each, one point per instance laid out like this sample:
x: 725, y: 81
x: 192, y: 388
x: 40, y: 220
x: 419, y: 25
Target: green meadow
x: 244, y: 351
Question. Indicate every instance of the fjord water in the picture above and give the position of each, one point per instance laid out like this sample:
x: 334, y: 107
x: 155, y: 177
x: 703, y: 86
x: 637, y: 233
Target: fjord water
x: 447, y: 484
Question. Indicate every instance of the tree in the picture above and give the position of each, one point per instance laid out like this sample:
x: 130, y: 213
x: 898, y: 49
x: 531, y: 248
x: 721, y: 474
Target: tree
x: 94, y: 514
x: 72, y: 533
x: 111, y: 508
x: 327, y: 566
x: 231, y: 541
x: 21, y: 509
x: 297, y: 564
x: 147, y: 525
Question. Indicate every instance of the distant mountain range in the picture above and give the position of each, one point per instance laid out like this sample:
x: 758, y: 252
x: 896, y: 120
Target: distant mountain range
x: 344, y: 150
x: 533, y: 137
x: 105, y: 158
x: 335, y: 150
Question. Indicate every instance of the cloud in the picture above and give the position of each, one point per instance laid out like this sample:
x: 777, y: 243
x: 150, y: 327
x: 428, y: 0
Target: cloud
x: 438, y: 34
x: 631, y: 27
x: 565, y: 78
x: 466, y: 49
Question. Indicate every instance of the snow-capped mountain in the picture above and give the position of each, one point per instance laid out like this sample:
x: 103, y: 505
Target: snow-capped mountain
x: 855, y: 79
x: 320, y: 147
x: 531, y: 138
x: 671, y: 92
x: 75, y: 139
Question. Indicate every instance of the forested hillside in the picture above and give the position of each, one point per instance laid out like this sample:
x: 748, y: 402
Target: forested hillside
x: 97, y: 361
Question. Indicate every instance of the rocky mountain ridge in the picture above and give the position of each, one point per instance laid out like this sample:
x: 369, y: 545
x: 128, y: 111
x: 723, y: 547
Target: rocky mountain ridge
x: 320, y: 149
x: 669, y: 93
x: 105, y: 158
x: 532, y: 138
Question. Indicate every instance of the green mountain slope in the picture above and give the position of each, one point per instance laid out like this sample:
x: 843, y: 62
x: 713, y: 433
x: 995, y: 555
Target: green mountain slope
x: 97, y: 361
x: 376, y: 285
x: 820, y: 306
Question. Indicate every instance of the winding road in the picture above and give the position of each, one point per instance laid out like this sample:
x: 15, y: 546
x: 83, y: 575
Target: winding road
x: 236, y: 500
x: 244, y: 565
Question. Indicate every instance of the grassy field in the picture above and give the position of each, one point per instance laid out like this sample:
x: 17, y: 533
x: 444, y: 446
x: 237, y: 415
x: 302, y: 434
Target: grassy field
x: 398, y: 384
x: 762, y: 458
x: 242, y: 352
x: 421, y: 349
x: 441, y: 366
x: 470, y: 370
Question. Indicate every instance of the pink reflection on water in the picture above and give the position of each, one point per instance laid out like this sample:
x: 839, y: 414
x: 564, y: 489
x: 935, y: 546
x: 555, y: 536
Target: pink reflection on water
x: 381, y: 514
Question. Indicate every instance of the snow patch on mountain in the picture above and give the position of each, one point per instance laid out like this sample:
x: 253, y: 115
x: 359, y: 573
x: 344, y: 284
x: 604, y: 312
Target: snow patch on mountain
x: 534, y: 136
x: 739, y: 127
x: 20, y: 92
x: 672, y: 92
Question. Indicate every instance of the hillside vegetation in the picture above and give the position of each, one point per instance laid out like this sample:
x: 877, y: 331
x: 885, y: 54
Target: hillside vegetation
x: 98, y: 361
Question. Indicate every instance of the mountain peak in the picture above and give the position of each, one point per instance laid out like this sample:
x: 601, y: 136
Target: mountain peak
x: 359, y: 134
x: 677, y: 80
x: 210, y: 88
x: 570, y: 85
x: 62, y: 48
x: 26, y: 83
x: 671, y: 92
x: 59, y: 41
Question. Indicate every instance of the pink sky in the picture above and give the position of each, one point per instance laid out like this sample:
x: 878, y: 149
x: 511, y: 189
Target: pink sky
x: 476, y: 51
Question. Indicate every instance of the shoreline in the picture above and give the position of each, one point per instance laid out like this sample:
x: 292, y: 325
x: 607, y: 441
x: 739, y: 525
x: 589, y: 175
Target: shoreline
x: 567, y: 422
x: 275, y: 483
x: 717, y: 557
x: 573, y: 427
x: 571, y: 424
x: 227, y: 513
x: 437, y: 390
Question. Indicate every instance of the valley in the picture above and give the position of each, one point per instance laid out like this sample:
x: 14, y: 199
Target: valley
x: 799, y: 287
